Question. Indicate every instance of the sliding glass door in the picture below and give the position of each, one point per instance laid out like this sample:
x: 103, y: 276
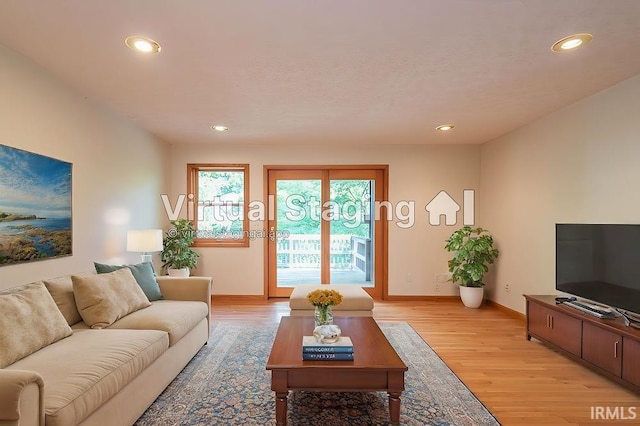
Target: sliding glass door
x: 326, y: 228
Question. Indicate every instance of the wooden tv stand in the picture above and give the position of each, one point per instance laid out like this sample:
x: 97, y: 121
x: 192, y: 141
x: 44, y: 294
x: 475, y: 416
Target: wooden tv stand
x: 604, y: 345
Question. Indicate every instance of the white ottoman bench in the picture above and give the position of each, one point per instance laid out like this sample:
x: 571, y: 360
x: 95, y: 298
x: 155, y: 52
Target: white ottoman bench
x: 355, y: 301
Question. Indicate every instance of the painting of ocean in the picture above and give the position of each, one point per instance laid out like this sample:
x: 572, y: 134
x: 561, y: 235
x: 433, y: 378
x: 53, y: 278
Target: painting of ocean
x: 35, y: 207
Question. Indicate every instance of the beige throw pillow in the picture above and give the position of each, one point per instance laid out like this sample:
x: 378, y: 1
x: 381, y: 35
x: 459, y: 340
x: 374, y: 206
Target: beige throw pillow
x: 105, y: 298
x: 29, y: 321
x: 61, y: 289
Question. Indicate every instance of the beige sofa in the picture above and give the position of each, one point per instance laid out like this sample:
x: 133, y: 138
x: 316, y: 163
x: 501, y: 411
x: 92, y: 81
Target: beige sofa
x: 106, y: 376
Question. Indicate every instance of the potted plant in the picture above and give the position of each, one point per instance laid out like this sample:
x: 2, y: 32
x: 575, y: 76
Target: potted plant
x: 177, y: 256
x: 473, y: 253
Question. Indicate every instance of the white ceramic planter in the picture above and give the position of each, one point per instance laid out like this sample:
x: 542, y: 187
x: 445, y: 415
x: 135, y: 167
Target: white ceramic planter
x: 184, y: 272
x: 471, y: 296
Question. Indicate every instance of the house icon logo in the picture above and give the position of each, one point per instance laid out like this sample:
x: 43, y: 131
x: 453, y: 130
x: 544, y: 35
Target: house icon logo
x: 444, y: 205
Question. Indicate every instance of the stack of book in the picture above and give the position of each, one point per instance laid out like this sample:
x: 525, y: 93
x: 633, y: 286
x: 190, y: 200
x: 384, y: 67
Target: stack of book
x: 342, y: 350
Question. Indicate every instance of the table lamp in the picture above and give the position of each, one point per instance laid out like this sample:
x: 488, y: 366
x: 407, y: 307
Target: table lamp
x: 144, y: 241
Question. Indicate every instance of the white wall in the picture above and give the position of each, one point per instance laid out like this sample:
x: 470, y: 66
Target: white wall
x: 579, y: 164
x: 416, y: 173
x: 118, y: 169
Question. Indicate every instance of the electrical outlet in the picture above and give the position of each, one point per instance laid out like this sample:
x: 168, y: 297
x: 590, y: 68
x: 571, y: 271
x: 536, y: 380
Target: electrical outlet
x: 507, y: 288
x: 436, y: 287
x: 409, y: 278
x: 443, y: 278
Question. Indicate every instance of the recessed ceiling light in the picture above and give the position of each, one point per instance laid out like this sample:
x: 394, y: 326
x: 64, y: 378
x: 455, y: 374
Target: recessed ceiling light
x: 445, y: 127
x: 571, y: 42
x: 142, y: 44
x: 219, y: 128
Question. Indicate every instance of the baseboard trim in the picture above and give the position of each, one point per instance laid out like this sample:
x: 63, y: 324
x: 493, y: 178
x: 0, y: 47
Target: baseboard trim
x: 508, y: 311
x: 237, y: 297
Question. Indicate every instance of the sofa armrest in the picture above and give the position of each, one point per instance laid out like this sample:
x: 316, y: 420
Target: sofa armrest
x: 187, y: 288
x: 21, y: 398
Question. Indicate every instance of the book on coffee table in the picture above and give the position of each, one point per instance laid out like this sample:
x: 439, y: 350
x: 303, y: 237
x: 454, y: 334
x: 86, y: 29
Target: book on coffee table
x: 341, y: 350
x: 344, y: 356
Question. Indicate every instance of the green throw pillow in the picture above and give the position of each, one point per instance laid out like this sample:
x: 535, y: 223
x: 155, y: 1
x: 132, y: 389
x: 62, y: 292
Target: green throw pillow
x: 142, y: 272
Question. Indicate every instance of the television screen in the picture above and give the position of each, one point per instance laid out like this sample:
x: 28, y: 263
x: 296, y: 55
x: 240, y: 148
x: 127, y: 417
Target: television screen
x: 600, y: 262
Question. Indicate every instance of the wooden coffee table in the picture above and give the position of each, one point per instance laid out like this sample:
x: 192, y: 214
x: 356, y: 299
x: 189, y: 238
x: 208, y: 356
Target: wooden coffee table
x: 376, y: 365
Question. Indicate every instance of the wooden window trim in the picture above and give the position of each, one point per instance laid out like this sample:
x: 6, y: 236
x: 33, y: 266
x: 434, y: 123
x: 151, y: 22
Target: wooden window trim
x: 192, y: 189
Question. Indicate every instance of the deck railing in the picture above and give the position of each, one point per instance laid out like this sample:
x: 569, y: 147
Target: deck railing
x: 348, y: 252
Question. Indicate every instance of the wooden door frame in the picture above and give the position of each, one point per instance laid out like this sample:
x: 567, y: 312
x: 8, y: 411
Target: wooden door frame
x: 378, y: 291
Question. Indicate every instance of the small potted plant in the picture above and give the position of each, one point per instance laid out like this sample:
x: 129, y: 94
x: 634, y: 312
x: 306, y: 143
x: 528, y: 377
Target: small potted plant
x: 473, y: 253
x: 177, y: 256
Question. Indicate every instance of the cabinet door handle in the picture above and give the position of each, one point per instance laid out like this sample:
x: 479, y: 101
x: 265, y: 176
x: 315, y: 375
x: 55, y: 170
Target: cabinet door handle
x: 615, y: 349
x: 547, y: 321
x: 551, y: 321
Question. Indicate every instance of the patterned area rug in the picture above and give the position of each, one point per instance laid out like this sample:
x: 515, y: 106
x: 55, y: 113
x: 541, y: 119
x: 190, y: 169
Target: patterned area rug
x: 226, y: 384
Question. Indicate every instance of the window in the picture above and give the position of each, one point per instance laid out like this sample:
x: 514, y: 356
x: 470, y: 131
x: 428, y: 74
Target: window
x: 220, y: 192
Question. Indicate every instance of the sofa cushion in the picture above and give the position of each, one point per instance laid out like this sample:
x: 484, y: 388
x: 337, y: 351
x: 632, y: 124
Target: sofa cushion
x: 61, y: 289
x: 143, y: 273
x: 104, y: 298
x: 85, y: 370
x: 29, y: 321
x: 173, y: 316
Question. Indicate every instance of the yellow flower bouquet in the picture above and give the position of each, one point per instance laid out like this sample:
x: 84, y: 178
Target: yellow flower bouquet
x: 323, y: 300
x: 324, y: 297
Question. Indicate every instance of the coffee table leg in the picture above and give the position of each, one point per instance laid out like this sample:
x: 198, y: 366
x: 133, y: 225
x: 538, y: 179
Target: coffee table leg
x: 281, y: 408
x: 394, y: 407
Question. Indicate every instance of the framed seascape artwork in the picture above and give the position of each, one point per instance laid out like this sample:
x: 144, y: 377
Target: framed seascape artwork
x: 35, y: 207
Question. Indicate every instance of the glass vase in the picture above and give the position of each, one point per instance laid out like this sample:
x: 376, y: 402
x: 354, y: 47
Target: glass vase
x: 323, y: 315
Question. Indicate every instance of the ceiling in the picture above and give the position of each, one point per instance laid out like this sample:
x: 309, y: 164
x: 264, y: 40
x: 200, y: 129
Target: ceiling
x: 332, y: 71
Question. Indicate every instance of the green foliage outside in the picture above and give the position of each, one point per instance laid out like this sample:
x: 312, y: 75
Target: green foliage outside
x: 214, y: 184
x: 215, y: 187
x: 351, y: 197
x: 350, y: 203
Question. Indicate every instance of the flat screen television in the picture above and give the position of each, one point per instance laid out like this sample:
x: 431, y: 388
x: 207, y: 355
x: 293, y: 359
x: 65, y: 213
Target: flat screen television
x: 600, y: 262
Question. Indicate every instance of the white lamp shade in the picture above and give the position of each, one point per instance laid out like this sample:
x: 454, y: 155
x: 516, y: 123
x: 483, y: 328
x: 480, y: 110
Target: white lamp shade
x: 145, y: 240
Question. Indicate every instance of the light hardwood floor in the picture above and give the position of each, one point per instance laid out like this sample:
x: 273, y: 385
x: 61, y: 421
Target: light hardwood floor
x: 521, y: 382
